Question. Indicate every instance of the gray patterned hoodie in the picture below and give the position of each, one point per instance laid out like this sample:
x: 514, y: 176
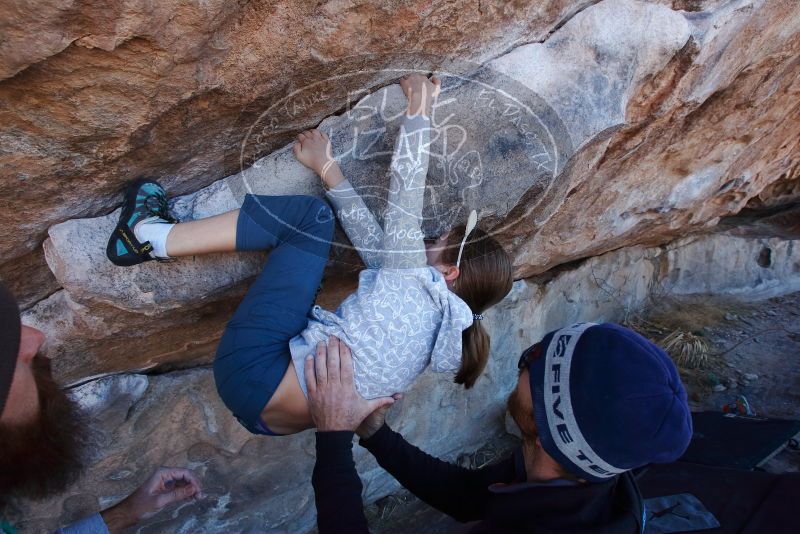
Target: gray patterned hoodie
x: 403, y: 317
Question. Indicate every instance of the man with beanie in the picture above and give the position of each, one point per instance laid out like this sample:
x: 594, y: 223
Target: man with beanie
x: 42, y: 436
x: 593, y: 402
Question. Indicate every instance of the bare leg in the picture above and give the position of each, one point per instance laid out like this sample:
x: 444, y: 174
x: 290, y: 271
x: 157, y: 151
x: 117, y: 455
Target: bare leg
x: 204, y: 236
x: 287, y: 411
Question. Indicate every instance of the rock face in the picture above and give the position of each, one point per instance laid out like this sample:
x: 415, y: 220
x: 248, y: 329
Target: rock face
x: 618, y: 75
x: 690, y: 102
x: 258, y: 484
x: 600, y: 141
x: 108, y: 92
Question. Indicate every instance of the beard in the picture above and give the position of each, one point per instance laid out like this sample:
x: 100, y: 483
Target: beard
x: 522, y: 416
x: 44, y: 456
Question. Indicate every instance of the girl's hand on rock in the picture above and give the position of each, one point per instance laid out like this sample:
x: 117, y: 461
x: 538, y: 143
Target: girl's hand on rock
x: 313, y: 149
x: 420, y: 92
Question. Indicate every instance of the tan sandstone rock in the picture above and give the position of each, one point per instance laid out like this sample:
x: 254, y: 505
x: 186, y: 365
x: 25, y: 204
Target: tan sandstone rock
x: 619, y: 74
x: 585, y: 132
x: 94, y: 95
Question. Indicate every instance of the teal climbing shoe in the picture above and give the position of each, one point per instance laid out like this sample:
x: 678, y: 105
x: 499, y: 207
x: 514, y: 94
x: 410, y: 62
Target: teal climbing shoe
x: 144, y: 199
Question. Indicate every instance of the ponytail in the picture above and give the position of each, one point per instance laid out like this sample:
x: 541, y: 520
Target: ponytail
x: 475, y: 345
x: 484, y: 279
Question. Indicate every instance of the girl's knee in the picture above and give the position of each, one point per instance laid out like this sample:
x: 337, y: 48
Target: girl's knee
x: 319, y: 218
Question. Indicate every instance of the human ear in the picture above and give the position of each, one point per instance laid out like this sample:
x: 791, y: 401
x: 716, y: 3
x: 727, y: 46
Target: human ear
x: 30, y: 341
x: 451, y: 272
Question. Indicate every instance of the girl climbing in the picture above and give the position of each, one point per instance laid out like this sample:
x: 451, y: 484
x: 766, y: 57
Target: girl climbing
x: 418, y: 303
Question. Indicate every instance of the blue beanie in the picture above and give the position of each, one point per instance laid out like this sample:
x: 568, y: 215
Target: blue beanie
x: 607, y: 400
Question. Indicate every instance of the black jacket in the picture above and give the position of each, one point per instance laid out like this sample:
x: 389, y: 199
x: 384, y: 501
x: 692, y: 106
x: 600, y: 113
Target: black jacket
x: 497, y: 495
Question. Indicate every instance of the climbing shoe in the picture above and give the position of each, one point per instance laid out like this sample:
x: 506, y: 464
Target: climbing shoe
x: 145, y: 200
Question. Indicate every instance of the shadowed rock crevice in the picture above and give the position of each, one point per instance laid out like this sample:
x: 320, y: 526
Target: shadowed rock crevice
x: 29, y: 279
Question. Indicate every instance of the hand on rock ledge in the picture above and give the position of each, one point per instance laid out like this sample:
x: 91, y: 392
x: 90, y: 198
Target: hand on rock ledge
x: 313, y: 149
x: 166, y: 486
x: 421, y: 92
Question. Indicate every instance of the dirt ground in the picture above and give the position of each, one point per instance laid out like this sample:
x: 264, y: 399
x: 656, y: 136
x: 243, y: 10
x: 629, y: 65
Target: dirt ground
x: 753, y: 350
x: 749, y: 348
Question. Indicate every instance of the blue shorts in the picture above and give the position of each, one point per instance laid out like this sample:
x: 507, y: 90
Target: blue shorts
x: 253, y: 354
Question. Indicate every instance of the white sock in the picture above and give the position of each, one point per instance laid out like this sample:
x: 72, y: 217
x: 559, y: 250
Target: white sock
x: 155, y: 230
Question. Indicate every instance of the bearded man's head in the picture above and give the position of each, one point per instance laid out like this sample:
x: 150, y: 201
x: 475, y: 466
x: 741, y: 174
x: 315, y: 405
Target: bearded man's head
x: 42, y: 436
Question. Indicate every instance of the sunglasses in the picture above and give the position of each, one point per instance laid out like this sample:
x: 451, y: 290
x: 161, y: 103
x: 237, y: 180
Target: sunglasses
x: 530, y: 354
